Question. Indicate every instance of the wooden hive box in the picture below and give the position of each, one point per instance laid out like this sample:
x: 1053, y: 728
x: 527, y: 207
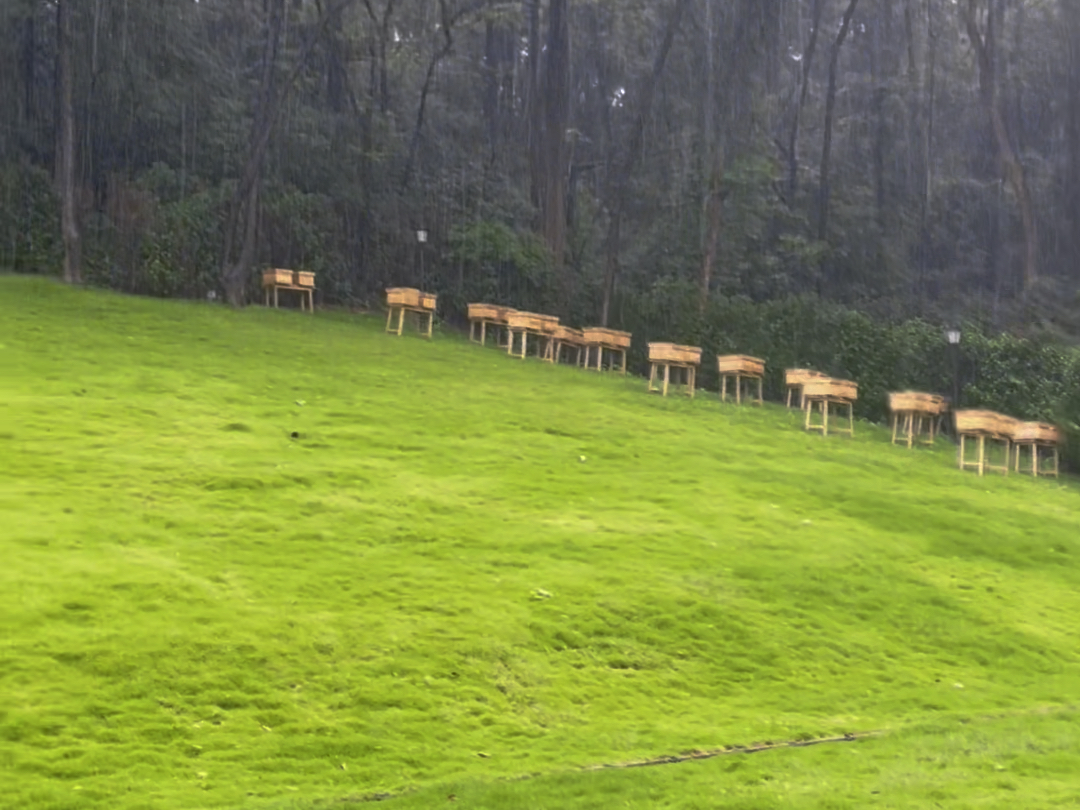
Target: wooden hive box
x: 548, y: 324
x: 829, y: 387
x: 606, y: 337
x: 428, y: 300
x: 798, y: 376
x: 1006, y: 425
x: 524, y: 320
x: 976, y: 421
x: 566, y: 334
x: 271, y: 277
x: 402, y: 297
x: 303, y: 278
x: 741, y: 364
x: 915, y: 401
x: 487, y: 312
x: 1036, y: 432
x: 674, y: 353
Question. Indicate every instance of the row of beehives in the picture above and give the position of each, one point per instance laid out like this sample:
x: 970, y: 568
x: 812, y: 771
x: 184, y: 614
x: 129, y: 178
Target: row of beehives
x: 513, y: 329
x: 916, y: 416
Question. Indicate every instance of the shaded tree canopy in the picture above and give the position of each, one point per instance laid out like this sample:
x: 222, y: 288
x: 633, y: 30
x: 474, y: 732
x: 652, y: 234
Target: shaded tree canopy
x: 601, y: 160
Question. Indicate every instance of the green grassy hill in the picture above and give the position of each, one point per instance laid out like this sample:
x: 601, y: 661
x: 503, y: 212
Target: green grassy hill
x: 466, y: 568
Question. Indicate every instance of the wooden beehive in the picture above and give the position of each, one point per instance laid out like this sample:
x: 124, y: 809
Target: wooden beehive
x: 606, y: 337
x: 915, y: 401
x: 402, y: 297
x: 1036, y: 432
x: 428, y: 300
x: 976, y: 421
x: 741, y: 364
x: 272, y: 277
x: 524, y: 320
x: 303, y: 278
x: 674, y: 353
x: 549, y: 324
x: 831, y: 388
x: 566, y: 334
x: 487, y: 312
x: 798, y: 376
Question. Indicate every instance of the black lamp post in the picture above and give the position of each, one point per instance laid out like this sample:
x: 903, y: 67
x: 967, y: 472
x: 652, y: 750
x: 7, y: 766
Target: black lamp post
x: 952, y: 336
x: 421, y: 238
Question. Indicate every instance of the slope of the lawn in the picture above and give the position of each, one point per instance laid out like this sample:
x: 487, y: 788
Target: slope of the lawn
x: 464, y: 566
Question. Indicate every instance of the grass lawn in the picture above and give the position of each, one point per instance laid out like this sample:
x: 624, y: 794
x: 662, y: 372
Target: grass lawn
x: 466, y: 569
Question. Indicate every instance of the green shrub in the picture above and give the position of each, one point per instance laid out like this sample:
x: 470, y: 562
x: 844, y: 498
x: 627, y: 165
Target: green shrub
x: 29, y: 221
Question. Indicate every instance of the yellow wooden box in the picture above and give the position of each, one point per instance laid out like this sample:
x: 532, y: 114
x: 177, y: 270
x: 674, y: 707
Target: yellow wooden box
x: 989, y: 422
x: 487, y: 312
x: 1036, y: 432
x: 402, y: 297
x: 302, y: 278
x: 548, y: 324
x: 428, y: 300
x: 674, y: 353
x: 566, y: 334
x: 272, y: 277
x: 832, y: 388
x: 798, y: 376
x: 524, y: 320
x: 603, y: 336
x: 742, y: 364
x: 915, y: 401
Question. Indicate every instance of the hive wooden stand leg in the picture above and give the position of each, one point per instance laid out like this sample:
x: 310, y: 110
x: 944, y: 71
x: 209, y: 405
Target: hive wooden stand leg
x: 760, y: 392
x: 787, y: 403
x: 275, y: 297
x: 825, y: 417
x: 1055, y: 451
x: 723, y: 387
x: 389, y: 315
x: 652, y: 376
x: 667, y: 377
x: 693, y: 380
x: 851, y: 419
x: 982, y: 454
x: 599, y: 358
x: 623, y: 369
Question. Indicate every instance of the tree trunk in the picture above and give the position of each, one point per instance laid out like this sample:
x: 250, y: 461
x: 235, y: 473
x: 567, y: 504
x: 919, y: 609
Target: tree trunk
x: 533, y: 106
x: 830, y: 109
x: 65, y: 174
x: 714, y: 162
x: 242, y: 225
x: 616, y: 185
x: 926, y: 186
x: 553, y: 152
x: 714, y: 220
x: 804, y: 86
x: 1009, y: 164
x: 1070, y: 10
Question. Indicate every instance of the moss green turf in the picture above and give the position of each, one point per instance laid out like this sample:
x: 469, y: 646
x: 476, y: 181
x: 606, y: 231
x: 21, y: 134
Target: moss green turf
x: 466, y: 569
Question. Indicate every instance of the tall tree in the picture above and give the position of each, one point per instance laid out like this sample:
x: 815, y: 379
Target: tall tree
x: 806, y: 62
x: 621, y: 172
x: 554, y: 119
x: 65, y: 174
x: 825, y: 191
x: 984, y: 42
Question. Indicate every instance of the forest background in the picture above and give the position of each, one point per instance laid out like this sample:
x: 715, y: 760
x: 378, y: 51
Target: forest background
x: 818, y: 182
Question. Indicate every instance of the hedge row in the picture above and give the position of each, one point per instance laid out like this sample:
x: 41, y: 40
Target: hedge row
x: 1029, y: 380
